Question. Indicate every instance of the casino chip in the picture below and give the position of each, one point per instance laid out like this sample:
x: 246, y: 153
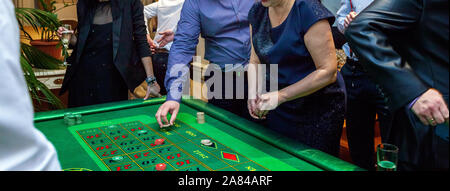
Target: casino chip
x: 206, y: 142
x: 117, y: 158
x: 159, y: 141
x: 160, y: 167
x: 70, y: 119
x: 78, y: 118
x: 142, y: 131
x: 113, y: 126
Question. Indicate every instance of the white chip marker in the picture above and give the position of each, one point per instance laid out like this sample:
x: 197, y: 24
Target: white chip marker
x: 206, y: 142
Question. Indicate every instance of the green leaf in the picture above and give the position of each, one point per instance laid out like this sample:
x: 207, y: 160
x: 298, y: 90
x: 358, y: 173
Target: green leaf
x: 46, y: 23
x: 40, y: 21
x: 39, y: 59
x: 36, y: 87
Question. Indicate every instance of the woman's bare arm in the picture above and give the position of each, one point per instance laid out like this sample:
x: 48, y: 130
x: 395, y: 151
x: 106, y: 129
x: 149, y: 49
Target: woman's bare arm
x: 319, y: 42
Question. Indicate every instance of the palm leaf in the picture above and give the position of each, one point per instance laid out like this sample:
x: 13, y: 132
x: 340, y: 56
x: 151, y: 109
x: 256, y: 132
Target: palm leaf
x: 35, y: 86
x: 45, y: 23
x: 37, y: 19
x: 39, y: 59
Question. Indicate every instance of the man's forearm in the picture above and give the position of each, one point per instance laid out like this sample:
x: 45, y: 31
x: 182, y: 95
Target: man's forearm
x: 383, y: 61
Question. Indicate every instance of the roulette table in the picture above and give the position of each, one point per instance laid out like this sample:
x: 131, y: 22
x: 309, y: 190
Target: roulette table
x: 121, y: 136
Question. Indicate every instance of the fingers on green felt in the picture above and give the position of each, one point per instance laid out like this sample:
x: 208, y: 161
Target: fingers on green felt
x: 158, y: 117
x: 174, y: 116
x: 164, y: 113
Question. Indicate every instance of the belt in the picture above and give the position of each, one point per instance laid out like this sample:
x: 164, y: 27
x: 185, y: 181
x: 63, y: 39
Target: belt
x: 161, y: 50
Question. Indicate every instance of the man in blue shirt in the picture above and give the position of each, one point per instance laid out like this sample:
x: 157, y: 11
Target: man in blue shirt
x: 224, y: 26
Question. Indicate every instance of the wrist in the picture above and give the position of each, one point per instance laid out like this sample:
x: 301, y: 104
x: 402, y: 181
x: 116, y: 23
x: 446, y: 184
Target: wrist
x: 151, y: 79
x: 282, y: 97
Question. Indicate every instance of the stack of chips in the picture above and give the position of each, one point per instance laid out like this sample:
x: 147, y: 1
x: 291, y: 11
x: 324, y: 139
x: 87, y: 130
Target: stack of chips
x: 72, y: 119
x: 78, y: 118
x: 69, y: 119
x: 200, y: 117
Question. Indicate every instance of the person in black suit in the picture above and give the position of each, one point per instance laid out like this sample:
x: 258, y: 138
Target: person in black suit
x: 404, y: 46
x: 111, y: 54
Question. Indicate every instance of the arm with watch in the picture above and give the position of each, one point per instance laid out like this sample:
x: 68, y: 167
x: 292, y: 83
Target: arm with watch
x: 152, y: 86
x: 143, y: 49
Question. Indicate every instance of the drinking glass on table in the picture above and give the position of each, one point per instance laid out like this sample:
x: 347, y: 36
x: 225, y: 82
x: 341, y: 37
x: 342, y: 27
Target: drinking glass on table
x: 65, y: 39
x: 387, y: 156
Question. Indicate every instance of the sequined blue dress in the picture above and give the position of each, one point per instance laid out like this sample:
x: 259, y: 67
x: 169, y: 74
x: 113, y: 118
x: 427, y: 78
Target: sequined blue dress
x: 315, y: 120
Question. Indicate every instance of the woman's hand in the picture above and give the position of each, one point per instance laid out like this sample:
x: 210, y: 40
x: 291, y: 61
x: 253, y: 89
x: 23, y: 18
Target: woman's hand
x: 73, y: 38
x: 268, y: 102
x: 252, y: 109
x: 153, y: 91
x: 60, y: 31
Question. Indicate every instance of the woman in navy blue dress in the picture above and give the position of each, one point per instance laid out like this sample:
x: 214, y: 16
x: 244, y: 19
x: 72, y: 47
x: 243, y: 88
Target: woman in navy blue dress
x: 309, y: 103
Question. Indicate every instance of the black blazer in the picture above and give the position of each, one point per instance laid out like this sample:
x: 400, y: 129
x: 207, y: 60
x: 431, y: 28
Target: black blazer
x: 129, y: 40
x: 404, y: 45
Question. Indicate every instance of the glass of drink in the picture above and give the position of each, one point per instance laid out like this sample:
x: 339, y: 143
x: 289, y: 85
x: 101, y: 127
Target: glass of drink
x: 387, y: 156
x: 65, y: 39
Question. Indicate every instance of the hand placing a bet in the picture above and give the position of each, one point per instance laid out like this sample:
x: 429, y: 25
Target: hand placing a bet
x: 431, y: 108
x: 167, y: 107
x: 153, y: 91
x: 267, y: 102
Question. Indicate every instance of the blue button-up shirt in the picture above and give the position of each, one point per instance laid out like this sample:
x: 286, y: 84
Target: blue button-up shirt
x: 224, y: 26
x: 356, y: 6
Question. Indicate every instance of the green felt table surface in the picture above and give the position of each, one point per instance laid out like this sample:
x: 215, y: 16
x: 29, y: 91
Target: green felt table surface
x: 252, y: 146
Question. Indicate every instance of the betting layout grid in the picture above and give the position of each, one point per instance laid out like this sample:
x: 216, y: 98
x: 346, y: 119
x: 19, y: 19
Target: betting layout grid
x: 133, y: 143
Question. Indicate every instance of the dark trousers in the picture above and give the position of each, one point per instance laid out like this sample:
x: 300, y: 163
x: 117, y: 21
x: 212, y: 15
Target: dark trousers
x: 421, y: 147
x: 159, y: 61
x: 236, y: 104
x: 364, y: 101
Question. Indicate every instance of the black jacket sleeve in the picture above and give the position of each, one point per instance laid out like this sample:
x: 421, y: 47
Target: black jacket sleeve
x: 371, y: 36
x: 139, y: 29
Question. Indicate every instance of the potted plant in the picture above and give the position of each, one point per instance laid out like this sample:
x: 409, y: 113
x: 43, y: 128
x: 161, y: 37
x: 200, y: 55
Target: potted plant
x: 49, y: 42
x: 31, y: 57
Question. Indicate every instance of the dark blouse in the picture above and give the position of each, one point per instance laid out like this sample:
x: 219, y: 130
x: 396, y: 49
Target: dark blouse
x: 129, y: 38
x: 284, y: 45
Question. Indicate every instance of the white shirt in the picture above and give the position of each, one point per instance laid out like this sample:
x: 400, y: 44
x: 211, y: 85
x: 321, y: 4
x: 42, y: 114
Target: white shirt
x: 168, y: 13
x: 22, y: 146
